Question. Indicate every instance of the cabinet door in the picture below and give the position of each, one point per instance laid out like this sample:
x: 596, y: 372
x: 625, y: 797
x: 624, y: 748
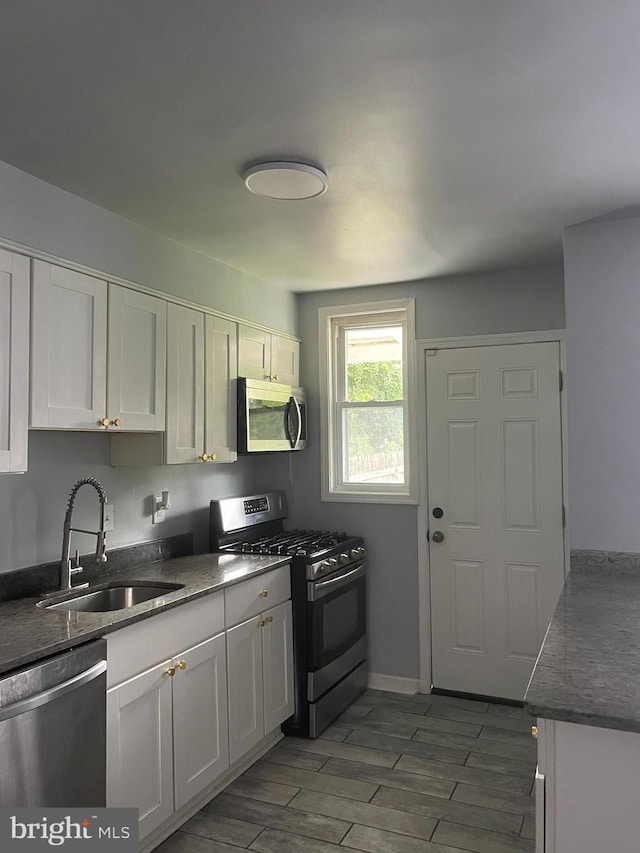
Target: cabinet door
x: 254, y: 353
x: 220, y: 397
x: 139, y: 747
x: 200, y: 728
x: 244, y: 673
x: 69, y: 348
x: 185, y: 385
x: 285, y: 361
x: 14, y: 361
x: 277, y: 666
x: 137, y: 357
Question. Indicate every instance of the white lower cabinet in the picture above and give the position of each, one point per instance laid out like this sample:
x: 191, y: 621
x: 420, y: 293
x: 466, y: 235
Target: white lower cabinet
x: 178, y: 721
x: 260, y: 671
x: 587, y: 784
x: 167, y: 733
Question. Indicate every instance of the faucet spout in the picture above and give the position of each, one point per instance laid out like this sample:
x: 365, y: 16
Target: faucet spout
x: 66, y: 569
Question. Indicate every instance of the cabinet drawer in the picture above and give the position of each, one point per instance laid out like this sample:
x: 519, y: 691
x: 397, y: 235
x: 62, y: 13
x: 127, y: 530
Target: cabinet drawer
x: 138, y: 647
x: 252, y: 596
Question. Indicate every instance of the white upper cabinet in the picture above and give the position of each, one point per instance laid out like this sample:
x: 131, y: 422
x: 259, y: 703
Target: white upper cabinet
x: 185, y: 385
x: 68, y: 349
x: 221, y: 373
x: 267, y: 356
x: 137, y: 357
x: 98, y: 353
x: 201, y: 374
x: 14, y: 361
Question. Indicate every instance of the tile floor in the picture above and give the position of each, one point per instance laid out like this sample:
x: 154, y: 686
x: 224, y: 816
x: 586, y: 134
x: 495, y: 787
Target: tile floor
x: 395, y: 774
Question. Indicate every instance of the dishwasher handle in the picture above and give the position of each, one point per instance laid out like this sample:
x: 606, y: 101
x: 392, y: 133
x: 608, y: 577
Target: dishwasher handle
x: 53, y: 693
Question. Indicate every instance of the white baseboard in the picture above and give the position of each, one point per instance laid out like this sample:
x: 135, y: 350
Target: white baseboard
x: 393, y: 683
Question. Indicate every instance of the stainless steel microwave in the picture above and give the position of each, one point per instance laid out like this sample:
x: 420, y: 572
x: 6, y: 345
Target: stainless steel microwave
x: 270, y: 417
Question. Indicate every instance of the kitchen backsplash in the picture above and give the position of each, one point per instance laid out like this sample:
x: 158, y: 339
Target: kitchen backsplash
x: 35, y: 580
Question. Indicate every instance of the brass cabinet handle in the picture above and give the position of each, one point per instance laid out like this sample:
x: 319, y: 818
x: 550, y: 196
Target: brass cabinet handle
x: 212, y: 457
x: 269, y: 618
x: 264, y: 593
x: 534, y: 731
x: 104, y: 422
x: 116, y: 423
x: 261, y: 623
x: 182, y: 664
x: 203, y: 456
x: 275, y: 378
x: 170, y: 670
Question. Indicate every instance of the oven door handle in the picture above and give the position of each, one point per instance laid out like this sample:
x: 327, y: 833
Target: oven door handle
x: 321, y: 588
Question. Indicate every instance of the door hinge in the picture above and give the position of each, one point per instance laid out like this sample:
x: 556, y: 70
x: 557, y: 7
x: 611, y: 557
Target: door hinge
x: 432, y: 352
x: 561, y: 381
x: 564, y: 516
x: 427, y: 534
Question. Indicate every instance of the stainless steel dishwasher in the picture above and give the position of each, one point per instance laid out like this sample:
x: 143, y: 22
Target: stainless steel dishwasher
x: 53, y: 731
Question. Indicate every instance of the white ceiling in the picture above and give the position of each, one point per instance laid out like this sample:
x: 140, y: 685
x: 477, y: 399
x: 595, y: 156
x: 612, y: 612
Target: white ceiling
x: 458, y: 135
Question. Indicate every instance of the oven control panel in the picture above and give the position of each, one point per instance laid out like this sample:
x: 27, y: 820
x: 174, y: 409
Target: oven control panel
x: 254, y: 505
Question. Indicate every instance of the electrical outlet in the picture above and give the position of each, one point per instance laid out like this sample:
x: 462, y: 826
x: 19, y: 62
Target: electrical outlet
x: 108, y: 517
x: 158, y: 514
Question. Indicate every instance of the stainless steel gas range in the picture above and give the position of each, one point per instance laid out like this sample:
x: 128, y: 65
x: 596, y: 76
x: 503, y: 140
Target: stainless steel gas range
x: 328, y: 590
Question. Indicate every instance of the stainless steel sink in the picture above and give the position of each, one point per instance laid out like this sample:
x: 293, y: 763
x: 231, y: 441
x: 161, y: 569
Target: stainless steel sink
x: 112, y: 597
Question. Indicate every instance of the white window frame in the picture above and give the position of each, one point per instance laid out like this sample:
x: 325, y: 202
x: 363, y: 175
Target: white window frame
x: 331, y: 323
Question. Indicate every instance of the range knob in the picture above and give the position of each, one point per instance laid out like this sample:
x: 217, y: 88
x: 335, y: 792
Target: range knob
x: 343, y: 558
x: 355, y: 553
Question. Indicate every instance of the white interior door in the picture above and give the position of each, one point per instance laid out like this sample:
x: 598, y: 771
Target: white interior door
x: 496, y: 551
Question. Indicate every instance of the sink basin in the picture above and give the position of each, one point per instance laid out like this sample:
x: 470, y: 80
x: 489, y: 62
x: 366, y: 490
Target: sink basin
x: 113, y: 597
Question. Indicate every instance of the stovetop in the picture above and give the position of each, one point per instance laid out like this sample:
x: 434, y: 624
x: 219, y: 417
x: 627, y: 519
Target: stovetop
x: 295, y: 543
x: 254, y: 525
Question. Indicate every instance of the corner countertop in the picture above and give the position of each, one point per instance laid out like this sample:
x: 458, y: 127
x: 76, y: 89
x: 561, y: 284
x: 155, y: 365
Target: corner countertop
x: 29, y: 633
x: 588, y: 670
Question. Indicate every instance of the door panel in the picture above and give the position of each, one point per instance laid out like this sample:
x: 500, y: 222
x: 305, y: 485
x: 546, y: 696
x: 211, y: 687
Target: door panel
x: 244, y: 672
x: 139, y: 753
x: 14, y: 361
x: 69, y: 348
x: 136, y: 376
x: 200, y: 734
x: 495, y: 467
x: 277, y: 666
x: 185, y: 385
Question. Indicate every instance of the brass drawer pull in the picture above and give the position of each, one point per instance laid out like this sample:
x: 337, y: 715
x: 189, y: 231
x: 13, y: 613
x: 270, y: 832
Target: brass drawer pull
x: 264, y: 593
x: 170, y: 670
x: 182, y: 664
x: 269, y: 619
x: 534, y: 731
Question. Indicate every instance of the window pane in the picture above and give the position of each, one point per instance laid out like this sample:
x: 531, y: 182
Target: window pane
x: 373, y: 361
x: 374, y: 445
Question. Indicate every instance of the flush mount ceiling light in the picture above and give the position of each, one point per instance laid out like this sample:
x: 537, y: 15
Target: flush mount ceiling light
x: 285, y: 180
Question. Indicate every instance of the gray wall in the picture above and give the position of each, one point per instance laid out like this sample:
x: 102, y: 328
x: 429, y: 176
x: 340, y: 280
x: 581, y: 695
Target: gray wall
x: 517, y: 300
x: 37, y: 215
x: 602, y: 264
x: 40, y: 216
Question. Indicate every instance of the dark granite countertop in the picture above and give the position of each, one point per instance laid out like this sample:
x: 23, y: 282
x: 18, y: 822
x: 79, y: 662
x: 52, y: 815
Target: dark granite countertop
x: 588, y: 670
x: 28, y: 633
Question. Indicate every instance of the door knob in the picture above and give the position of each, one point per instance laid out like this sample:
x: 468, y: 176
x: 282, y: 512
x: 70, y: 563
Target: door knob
x: 438, y: 536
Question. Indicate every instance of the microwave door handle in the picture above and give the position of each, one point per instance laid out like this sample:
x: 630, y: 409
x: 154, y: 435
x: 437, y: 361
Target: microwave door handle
x: 287, y: 412
x: 299, y: 429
